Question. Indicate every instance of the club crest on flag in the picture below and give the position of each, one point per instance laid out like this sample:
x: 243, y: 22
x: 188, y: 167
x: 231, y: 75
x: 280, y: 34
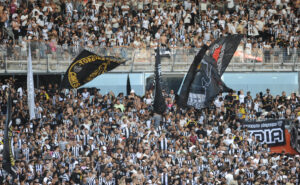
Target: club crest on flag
x: 203, y: 81
x: 87, y: 66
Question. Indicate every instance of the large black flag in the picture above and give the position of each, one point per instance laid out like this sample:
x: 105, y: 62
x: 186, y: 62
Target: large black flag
x: 86, y: 67
x: 8, y: 157
x: 183, y: 96
x: 128, y: 85
x: 159, y: 105
x: 222, y: 50
x: 204, y: 84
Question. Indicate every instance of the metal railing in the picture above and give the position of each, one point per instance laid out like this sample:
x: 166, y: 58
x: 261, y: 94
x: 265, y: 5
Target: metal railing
x: 48, y: 58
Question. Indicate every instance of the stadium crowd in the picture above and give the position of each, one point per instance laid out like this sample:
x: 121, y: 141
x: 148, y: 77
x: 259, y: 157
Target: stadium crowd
x: 144, y: 23
x: 89, y: 138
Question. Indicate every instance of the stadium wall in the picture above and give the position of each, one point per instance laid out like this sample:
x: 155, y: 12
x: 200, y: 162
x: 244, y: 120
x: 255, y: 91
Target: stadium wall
x: 254, y: 82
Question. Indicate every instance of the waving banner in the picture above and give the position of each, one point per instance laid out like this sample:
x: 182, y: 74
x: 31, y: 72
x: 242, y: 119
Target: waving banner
x: 184, y: 92
x: 128, y: 85
x: 86, y: 67
x: 159, y: 105
x: 207, y: 84
x: 270, y: 132
x: 203, y: 83
x: 8, y: 156
x: 222, y: 50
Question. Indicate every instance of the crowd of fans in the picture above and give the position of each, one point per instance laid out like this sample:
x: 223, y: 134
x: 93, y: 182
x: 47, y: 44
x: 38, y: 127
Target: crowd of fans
x: 92, y: 138
x: 89, y: 138
x: 144, y: 23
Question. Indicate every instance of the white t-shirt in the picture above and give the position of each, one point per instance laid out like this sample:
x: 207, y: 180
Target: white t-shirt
x: 230, y: 4
x: 123, y: 7
x: 209, y: 132
x: 24, y: 19
x: 182, y: 122
x: 222, y: 23
x: 278, y: 2
x: 262, y: 13
x: 4, y: 86
x: 45, y: 9
x: 85, y: 95
x: 108, y: 33
x: 228, y: 142
x: 218, y: 103
x: 272, y: 11
x: 115, y: 23
x: 23, y: 46
x: 207, y: 36
x: 256, y: 161
x: 146, y: 23
x: 148, y: 101
x: 40, y: 22
x: 260, y: 25
x: 69, y: 7
x: 248, y: 46
x: 229, y: 178
x: 187, y: 5
x: 242, y: 98
x: 232, y: 28
x: 157, y: 35
x: 187, y: 19
x: 140, y: 5
x: 20, y: 91
x: 265, y: 161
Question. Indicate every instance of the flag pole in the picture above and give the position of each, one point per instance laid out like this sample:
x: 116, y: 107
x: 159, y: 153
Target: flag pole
x: 30, y: 84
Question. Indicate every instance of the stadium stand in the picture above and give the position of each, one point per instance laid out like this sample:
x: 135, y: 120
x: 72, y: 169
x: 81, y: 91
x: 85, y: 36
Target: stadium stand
x: 138, y: 24
x: 58, y: 30
x: 89, y: 138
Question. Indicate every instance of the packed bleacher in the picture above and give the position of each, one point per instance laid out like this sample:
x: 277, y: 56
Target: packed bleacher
x: 89, y: 138
x: 144, y: 23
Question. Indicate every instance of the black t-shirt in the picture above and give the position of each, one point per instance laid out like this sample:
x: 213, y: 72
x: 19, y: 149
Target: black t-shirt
x: 268, y: 102
x: 75, y: 177
x: 114, y: 126
x: 282, y: 99
x: 201, y: 131
x: 229, y: 98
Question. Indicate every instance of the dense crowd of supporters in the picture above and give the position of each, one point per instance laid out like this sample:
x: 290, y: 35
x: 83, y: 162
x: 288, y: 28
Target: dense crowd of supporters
x: 89, y: 138
x: 144, y: 23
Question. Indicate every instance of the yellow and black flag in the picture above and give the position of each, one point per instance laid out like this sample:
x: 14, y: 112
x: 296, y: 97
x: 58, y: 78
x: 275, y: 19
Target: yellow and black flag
x: 86, y: 67
x: 8, y: 156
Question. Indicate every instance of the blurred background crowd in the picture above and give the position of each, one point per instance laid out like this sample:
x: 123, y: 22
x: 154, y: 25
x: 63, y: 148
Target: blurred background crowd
x: 144, y: 23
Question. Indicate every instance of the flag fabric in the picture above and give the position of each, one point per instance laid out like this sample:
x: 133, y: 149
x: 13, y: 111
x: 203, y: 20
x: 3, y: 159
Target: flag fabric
x: 30, y: 86
x: 86, y: 67
x: 222, y: 50
x: 264, y: 131
x: 159, y: 105
x: 204, y: 83
x: 184, y: 92
x: 8, y: 157
x: 128, y: 85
